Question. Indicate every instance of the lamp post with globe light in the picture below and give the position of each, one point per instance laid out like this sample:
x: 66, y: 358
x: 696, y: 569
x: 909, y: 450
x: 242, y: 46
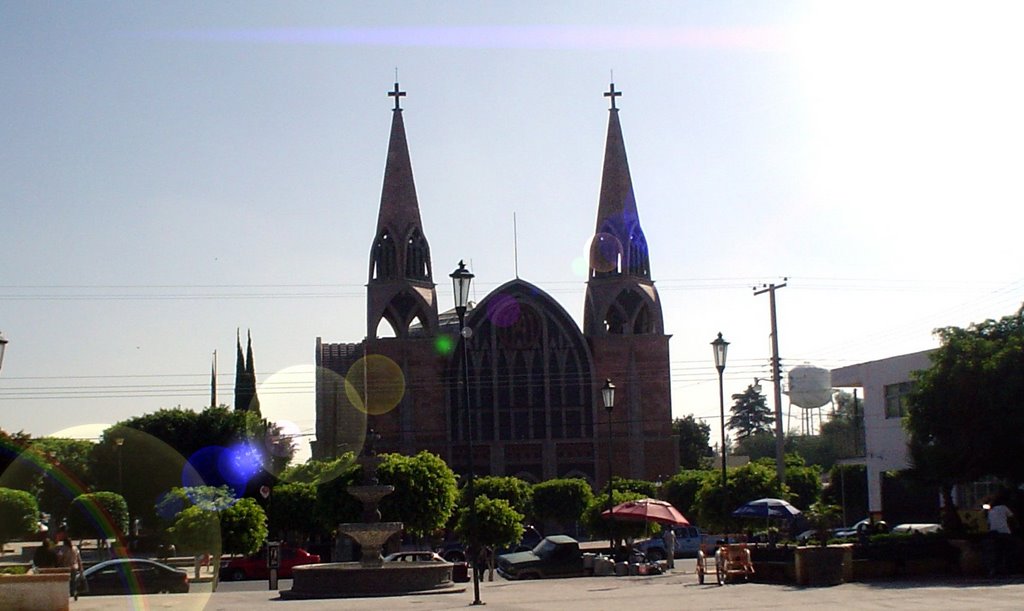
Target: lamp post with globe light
x: 721, y: 347
x: 608, y: 398
x: 461, y: 280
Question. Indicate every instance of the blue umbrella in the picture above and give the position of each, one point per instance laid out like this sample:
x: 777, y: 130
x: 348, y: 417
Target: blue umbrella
x: 767, y: 508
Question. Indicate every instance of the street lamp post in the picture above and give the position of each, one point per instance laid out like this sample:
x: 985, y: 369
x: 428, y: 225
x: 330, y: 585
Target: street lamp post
x: 461, y: 280
x: 721, y: 347
x: 119, y: 443
x: 608, y: 398
x: 3, y: 347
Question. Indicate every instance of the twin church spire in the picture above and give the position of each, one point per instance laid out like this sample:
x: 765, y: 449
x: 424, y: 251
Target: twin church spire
x: 621, y: 298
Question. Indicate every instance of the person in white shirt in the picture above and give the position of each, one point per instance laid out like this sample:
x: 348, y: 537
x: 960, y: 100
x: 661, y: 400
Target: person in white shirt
x: 1000, y: 536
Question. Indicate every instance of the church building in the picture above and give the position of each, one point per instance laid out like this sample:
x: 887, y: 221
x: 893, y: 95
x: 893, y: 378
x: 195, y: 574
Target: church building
x: 534, y: 376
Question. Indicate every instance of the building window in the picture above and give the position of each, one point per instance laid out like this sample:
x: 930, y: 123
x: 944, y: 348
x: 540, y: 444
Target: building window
x: 896, y: 399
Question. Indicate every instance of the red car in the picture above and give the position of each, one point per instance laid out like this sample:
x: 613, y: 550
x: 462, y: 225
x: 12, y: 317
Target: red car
x: 255, y: 566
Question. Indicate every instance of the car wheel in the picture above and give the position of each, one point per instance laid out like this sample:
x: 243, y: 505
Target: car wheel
x: 236, y: 575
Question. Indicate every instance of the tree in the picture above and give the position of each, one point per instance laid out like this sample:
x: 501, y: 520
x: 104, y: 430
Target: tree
x: 19, y: 515
x: 751, y: 481
x: 496, y: 525
x: 315, y: 471
x: 517, y: 492
x: 150, y: 454
x: 967, y: 409
x: 425, y: 491
x: 196, y: 531
x: 99, y: 515
x: 844, y: 431
x: 694, y: 437
x: 243, y: 527
x: 288, y: 509
x: 562, y: 501
x: 681, y: 489
x: 641, y: 487
x: 750, y: 414
x: 66, y: 472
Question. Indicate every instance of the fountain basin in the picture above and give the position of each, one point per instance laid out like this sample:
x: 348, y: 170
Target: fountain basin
x: 353, y: 580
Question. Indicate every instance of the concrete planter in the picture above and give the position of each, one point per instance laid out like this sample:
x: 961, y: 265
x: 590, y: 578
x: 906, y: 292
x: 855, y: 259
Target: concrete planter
x: 823, y: 566
x: 47, y: 592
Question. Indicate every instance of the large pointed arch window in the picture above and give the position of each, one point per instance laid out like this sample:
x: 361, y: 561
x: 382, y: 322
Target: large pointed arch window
x: 417, y: 257
x: 639, y: 262
x: 384, y: 261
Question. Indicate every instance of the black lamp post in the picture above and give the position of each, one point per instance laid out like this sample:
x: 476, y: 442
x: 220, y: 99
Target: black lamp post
x: 3, y: 347
x: 461, y: 280
x: 721, y: 347
x: 119, y: 443
x: 608, y: 398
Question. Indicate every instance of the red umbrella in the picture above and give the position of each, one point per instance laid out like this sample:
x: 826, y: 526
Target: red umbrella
x: 652, y: 510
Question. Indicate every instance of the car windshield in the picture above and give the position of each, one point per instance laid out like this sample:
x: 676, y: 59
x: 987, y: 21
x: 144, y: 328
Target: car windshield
x: 544, y: 548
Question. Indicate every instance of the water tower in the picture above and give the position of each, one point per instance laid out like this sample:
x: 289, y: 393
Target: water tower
x: 810, y: 388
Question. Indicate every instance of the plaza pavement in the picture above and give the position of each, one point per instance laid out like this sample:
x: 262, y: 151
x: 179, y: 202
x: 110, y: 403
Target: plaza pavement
x: 675, y: 590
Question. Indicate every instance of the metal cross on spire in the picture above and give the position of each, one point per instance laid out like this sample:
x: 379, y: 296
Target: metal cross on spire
x: 611, y: 93
x: 397, y: 94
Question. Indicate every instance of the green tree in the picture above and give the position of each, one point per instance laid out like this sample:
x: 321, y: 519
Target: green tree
x: 750, y: 414
x: 315, y: 471
x: 19, y: 515
x: 334, y: 505
x: 641, y: 487
x: 967, y: 409
x: 99, y: 515
x: 844, y: 430
x: 848, y: 488
x: 751, y: 481
x: 61, y: 472
x: 425, y: 491
x: 803, y: 481
x: 147, y: 455
x: 243, y: 527
x: 517, y: 492
x: 694, y: 437
x: 196, y: 531
x: 288, y: 510
x: 562, y: 501
x: 496, y: 524
x: 681, y: 490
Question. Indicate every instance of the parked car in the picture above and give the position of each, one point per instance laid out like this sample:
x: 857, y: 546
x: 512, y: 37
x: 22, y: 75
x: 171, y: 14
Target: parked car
x: 455, y: 551
x: 554, y: 556
x: 460, y: 570
x: 255, y: 566
x: 133, y: 576
x: 688, y: 540
x: 917, y: 527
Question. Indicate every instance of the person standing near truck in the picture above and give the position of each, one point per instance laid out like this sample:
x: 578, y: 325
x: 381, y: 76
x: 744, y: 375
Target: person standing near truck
x: 669, y: 537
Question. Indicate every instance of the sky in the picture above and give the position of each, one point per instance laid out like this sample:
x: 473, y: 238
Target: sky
x: 173, y: 172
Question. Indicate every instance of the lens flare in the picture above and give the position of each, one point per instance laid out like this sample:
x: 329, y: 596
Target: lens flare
x: 605, y: 253
x: 503, y: 311
x: 375, y: 384
x: 444, y: 344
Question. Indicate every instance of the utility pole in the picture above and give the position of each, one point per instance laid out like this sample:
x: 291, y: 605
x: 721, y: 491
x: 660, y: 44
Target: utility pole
x: 780, y: 456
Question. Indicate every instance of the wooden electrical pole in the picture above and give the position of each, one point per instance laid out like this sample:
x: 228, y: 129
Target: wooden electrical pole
x: 780, y: 452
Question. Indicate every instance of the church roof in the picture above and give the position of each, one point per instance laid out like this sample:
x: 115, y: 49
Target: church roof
x: 399, y: 207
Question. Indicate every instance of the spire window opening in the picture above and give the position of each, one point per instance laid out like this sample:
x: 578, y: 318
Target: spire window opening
x: 384, y: 264
x: 417, y: 257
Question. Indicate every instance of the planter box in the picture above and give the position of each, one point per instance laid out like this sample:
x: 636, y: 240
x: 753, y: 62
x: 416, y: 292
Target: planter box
x: 823, y: 566
x: 47, y: 592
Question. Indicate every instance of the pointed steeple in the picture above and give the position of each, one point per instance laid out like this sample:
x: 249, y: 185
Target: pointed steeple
x: 401, y: 286
x: 621, y: 299
x: 619, y: 245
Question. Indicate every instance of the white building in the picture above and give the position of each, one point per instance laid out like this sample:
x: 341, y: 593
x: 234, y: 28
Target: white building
x: 885, y: 384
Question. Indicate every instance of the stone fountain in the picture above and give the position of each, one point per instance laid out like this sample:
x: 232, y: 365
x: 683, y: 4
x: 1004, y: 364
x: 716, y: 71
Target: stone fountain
x: 371, y: 576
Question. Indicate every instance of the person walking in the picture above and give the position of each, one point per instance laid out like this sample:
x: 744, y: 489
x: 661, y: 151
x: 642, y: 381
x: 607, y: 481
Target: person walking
x: 1000, y: 536
x: 69, y: 557
x: 669, y: 537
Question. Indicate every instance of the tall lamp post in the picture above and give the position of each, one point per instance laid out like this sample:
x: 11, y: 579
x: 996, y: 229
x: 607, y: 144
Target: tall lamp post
x: 3, y: 347
x: 721, y: 347
x: 461, y: 279
x: 119, y: 443
x: 608, y: 398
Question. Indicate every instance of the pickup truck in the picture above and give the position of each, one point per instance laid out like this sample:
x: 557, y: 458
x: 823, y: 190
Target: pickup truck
x: 554, y: 556
x: 688, y: 540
